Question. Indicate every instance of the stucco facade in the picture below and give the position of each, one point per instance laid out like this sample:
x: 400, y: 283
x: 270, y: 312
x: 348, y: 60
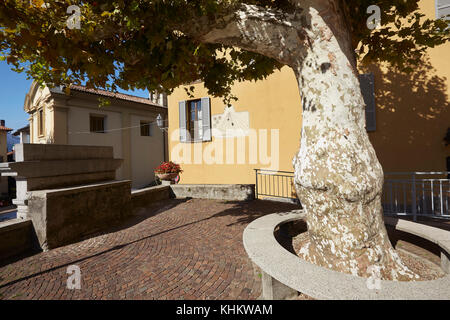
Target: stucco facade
x: 412, y: 115
x: 269, y: 141
x: 413, y: 111
x: 66, y: 119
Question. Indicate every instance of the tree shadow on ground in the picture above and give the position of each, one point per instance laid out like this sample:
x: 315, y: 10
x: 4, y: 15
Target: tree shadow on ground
x: 138, y: 215
x: 246, y: 212
x: 412, y: 115
x: 20, y: 256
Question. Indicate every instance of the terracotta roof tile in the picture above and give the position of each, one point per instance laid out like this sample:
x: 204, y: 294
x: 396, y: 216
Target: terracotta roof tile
x: 3, y: 128
x: 116, y: 95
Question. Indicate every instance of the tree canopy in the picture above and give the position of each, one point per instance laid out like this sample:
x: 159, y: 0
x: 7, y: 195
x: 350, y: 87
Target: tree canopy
x: 139, y: 44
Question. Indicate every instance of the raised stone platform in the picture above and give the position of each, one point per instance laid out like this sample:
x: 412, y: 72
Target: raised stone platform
x: 284, y: 274
x: 50, y: 166
x: 229, y: 192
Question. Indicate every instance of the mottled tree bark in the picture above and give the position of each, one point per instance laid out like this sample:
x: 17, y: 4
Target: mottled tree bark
x: 337, y: 174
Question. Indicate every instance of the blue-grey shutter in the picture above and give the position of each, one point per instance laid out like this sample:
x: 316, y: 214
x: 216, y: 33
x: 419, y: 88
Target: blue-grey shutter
x: 182, y: 126
x: 206, y: 119
x: 442, y: 9
x: 367, y: 82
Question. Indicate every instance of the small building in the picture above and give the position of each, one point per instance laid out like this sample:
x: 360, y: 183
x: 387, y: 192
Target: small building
x: 127, y: 123
x: 4, y: 157
x: 23, y: 134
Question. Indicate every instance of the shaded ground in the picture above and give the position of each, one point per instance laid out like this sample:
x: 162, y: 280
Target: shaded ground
x: 177, y: 249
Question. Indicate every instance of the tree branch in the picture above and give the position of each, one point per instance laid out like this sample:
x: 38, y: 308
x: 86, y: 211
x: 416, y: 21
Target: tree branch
x: 270, y: 32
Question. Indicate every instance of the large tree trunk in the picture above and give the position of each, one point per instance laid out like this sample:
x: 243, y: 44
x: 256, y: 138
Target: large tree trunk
x: 337, y: 174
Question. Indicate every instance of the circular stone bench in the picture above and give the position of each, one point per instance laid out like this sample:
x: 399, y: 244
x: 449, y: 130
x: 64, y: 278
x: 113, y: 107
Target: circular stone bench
x: 284, y: 274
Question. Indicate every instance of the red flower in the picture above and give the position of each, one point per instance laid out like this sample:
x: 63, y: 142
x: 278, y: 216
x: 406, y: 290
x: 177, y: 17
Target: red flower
x: 168, y: 167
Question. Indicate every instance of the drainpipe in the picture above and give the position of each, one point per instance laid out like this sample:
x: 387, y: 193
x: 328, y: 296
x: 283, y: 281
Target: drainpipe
x: 164, y: 145
x: 165, y: 133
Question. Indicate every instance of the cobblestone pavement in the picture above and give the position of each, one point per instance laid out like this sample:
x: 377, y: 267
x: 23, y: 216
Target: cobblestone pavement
x: 176, y: 249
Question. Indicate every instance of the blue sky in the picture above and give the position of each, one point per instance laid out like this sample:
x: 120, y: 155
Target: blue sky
x: 13, y: 88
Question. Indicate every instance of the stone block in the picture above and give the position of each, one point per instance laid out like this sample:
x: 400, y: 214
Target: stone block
x: 272, y: 289
x: 62, y: 168
x: 229, y: 192
x: 144, y: 197
x: 49, y: 166
x: 42, y: 152
x: 66, y: 215
x: 16, y: 237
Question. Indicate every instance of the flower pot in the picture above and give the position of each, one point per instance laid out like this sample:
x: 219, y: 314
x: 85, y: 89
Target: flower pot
x: 166, y: 176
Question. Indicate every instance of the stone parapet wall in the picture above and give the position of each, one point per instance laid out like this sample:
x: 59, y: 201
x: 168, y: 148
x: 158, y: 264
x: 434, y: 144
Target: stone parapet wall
x: 16, y: 237
x: 42, y: 152
x: 63, y: 216
x: 144, y: 197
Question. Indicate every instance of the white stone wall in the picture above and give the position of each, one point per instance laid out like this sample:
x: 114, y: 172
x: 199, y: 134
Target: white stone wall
x: 146, y: 152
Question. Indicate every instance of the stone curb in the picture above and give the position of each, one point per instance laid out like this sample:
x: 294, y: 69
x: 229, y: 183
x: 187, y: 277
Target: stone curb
x: 284, y: 272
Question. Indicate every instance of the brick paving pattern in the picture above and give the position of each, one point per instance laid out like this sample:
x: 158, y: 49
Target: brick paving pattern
x: 176, y: 249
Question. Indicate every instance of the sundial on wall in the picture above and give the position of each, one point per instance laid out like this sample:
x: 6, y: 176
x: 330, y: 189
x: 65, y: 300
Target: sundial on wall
x: 230, y: 123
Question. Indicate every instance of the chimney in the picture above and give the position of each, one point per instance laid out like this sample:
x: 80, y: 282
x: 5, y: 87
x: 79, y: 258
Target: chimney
x: 2, y: 123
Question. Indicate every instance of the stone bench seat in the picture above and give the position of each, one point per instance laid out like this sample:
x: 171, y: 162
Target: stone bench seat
x: 284, y: 274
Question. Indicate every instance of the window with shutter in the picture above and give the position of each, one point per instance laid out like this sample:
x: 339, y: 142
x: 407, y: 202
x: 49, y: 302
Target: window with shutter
x: 367, y: 82
x: 443, y: 9
x: 195, y: 120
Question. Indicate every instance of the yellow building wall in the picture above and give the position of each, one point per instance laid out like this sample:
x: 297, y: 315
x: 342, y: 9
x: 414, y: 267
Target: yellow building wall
x: 413, y: 111
x: 273, y: 104
x: 412, y: 118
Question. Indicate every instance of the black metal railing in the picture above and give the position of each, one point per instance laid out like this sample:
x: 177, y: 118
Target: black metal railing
x: 417, y: 194
x: 275, y: 184
x: 404, y: 193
